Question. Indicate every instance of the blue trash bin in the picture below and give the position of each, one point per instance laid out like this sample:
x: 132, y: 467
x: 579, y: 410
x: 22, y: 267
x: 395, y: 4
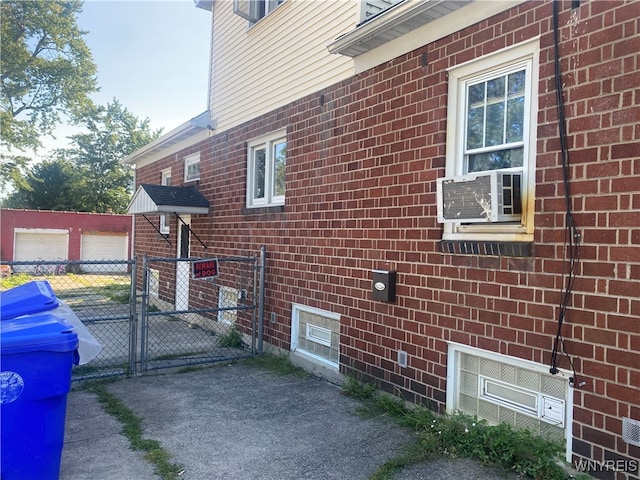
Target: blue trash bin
x: 37, y: 355
x: 32, y: 297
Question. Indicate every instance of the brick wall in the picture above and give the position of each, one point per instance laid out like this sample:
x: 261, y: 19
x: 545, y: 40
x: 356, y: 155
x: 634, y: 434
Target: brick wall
x: 362, y: 160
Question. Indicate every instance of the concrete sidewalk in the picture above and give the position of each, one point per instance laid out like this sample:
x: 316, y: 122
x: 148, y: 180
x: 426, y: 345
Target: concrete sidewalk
x: 240, y: 422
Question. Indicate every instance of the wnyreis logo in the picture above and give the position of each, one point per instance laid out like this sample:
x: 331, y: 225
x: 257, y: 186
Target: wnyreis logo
x: 589, y: 466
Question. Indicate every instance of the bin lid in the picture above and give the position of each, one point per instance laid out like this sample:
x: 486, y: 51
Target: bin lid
x: 36, y: 333
x: 33, y: 297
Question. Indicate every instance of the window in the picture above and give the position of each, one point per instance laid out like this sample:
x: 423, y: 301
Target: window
x: 254, y: 10
x: 491, y: 125
x: 371, y: 8
x: 164, y: 219
x: 266, y: 170
x: 192, y: 167
x: 315, y: 334
x: 504, y: 389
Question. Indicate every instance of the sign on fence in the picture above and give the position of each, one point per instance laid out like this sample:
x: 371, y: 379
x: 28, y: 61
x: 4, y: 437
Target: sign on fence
x: 204, y: 268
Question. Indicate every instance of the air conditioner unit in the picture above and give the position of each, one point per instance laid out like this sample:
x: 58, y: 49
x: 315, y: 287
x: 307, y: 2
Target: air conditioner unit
x: 492, y: 196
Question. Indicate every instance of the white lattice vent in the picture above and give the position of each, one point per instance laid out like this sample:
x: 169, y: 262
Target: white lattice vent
x: 631, y: 431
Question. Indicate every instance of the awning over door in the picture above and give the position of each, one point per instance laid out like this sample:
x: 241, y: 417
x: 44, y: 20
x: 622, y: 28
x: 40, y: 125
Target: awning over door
x: 150, y: 199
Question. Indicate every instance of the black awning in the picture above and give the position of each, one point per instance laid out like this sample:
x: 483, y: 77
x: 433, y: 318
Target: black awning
x: 166, y: 199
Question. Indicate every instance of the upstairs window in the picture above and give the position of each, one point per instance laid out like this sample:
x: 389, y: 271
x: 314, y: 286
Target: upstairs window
x: 371, y: 8
x: 491, y: 144
x: 254, y: 10
x: 192, y: 167
x: 164, y: 219
x: 266, y: 164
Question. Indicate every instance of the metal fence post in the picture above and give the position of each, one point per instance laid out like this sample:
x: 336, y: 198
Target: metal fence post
x: 133, y: 319
x: 144, y: 317
x: 263, y: 262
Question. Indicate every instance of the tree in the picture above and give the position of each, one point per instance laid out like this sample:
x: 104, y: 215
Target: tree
x: 48, y: 185
x: 88, y: 176
x: 46, y: 70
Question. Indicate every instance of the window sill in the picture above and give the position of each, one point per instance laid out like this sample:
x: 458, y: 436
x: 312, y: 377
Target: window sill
x: 263, y: 210
x: 491, y: 248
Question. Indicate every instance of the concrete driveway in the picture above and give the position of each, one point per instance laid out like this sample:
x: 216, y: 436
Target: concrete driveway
x: 240, y: 422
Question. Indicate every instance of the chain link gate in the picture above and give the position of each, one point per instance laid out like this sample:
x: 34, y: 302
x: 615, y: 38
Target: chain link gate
x: 171, y: 320
x: 208, y: 316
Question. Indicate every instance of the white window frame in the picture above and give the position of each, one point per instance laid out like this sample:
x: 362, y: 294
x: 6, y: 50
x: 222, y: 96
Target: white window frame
x: 191, y: 163
x: 296, y: 308
x: 165, y: 180
x: 250, y: 9
x: 268, y: 143
x: 525, y: 55
x: 453, y: 384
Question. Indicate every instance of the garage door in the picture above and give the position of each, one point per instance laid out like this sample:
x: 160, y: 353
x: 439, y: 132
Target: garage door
x: 40, y: 245
x: 97, y: 246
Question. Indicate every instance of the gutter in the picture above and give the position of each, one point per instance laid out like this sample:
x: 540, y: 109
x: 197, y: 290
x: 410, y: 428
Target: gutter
x: 197, y: 124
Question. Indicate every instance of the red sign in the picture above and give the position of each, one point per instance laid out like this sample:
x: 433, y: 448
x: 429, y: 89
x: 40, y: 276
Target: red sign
x: 205, y: 268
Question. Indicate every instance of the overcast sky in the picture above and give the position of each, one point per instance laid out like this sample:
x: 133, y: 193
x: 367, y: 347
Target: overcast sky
x: 152, y: 55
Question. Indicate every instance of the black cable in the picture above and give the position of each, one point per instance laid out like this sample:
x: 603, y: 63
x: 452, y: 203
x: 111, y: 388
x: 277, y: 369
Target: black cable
x: 572, y: 236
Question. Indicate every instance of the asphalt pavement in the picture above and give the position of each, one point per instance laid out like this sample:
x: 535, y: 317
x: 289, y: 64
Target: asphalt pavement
x: 240, y: 422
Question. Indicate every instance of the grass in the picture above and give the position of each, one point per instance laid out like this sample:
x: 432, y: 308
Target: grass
x: 14, y: 280
x: 460, y: 435
x: 277, y: 364
x: 119, y: 293
x: 232, y: 338
x: 132, y: 429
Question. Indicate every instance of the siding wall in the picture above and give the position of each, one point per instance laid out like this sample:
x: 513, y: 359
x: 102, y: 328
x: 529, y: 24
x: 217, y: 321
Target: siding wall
x: 362, y: 160
x: 256, y: 69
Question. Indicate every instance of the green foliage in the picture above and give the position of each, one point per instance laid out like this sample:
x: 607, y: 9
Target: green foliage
x: 14, y: 280
x: 498, y: 445
x: 46, y: 71
x: 232, y: 338
x: 88, y: 176
x: 460, y: 435
x: 120, y: 293
x: 277, y: 364
x: 354, y: 388
x: 132, y: 429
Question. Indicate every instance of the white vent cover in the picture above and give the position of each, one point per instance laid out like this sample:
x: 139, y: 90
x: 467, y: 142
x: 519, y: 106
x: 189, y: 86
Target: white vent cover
x: 402, y: 358
x: 631, y: 431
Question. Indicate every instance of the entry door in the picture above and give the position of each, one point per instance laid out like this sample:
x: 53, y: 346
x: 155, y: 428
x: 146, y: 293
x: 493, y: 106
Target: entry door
x: 183, y: 270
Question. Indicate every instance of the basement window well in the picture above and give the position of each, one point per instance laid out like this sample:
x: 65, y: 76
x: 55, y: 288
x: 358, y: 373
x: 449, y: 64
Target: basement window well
x: 316, y: 334
x: 499, y: 388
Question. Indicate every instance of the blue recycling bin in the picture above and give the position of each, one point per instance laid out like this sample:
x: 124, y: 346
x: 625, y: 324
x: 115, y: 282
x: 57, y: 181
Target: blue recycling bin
x: 37, y: 354
x: 32, y: 297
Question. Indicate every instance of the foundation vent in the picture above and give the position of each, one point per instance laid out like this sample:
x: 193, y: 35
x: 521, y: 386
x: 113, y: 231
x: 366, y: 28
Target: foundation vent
x: 631, y: 431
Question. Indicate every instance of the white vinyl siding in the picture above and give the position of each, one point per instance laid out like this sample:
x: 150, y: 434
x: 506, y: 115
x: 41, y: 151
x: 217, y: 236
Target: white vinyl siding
x: 250, y: 63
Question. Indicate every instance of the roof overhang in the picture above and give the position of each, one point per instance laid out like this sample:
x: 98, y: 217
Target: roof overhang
x: 392, y: 23
x: 160, y: 199
x: 199, y: 125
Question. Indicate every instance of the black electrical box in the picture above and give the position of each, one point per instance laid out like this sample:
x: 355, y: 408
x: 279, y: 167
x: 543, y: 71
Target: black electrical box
x: 384, y: 285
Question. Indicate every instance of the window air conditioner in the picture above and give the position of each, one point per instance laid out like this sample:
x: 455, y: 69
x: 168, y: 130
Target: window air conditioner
x: 491, y: 196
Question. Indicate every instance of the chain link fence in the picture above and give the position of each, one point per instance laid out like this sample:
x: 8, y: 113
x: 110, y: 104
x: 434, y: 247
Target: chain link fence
x: 100, y: 293
x: 194, y: 317
x: 158, y: 314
